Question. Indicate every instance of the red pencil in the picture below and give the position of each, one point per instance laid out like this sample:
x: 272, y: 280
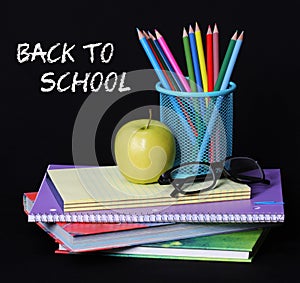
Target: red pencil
x: 155, y: 52
x: 158, y: 60
x: 215, y: 141
x: 209, y: 60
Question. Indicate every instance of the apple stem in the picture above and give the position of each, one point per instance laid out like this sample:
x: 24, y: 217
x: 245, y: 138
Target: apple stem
x: 150, y: 118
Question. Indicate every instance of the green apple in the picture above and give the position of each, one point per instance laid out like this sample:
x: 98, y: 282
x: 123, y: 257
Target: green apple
x: 144, y: 149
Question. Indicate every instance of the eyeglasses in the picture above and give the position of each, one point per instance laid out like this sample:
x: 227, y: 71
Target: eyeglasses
x: 243, y: 170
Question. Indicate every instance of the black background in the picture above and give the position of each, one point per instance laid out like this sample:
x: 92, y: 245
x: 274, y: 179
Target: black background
x: 36, y: 127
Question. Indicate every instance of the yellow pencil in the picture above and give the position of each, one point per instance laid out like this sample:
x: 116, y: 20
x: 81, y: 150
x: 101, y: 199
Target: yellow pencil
x: 201, y: 57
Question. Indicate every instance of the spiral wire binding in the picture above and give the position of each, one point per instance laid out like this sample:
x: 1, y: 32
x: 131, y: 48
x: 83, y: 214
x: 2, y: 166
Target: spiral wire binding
x: 182, y: 218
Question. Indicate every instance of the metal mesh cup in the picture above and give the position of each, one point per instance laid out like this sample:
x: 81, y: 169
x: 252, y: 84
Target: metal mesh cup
x: 201, y: 122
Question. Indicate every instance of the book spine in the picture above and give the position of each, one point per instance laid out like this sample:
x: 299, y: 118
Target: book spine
x: 182, y: 218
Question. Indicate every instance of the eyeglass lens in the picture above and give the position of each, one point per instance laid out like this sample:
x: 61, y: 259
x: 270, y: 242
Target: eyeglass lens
x: 199, y: 173
x: 244, y: 169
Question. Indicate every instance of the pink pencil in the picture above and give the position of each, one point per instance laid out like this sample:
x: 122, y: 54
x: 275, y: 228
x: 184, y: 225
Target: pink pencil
x: 172, y: 60
x: 216, y: 53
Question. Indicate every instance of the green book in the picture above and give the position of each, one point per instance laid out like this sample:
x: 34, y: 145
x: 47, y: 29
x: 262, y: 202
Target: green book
x: 235, y: 247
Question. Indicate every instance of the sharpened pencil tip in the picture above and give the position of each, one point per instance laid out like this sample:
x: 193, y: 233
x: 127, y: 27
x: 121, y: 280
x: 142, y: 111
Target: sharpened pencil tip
x: 157, y: 34
x: 241, y: 36
x: 216, y: 28
x: 191, y: 29
x: 140, y: 34
x: 209, y: 30
x: 197, y: 27
x: 234, y: 37
x: 151, y: 35
x: 145, y: 34
x: 184, y: 34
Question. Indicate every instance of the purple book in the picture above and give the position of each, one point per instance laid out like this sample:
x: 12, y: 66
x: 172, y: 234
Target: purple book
x: 265, y: 205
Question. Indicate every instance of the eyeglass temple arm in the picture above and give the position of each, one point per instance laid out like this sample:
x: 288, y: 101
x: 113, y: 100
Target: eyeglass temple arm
x: 250, y: 178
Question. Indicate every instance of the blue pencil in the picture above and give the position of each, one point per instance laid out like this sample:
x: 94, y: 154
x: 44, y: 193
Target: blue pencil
x: 195, y: 59
x: 167, y: 62
x: 232, y: 61
x: 196, y: 65
x: 217, y: 107
x: 161, y: 77
x: 153, y: 60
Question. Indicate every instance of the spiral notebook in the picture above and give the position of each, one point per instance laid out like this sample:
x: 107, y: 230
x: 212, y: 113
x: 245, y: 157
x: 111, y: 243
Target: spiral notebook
x: 264, y: 205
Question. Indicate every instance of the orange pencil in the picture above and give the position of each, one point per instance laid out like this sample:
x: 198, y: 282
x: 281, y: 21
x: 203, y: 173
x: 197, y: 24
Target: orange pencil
x: 209, y: 60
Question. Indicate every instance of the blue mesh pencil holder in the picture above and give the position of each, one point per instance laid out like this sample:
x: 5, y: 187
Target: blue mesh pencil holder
x: 201, y: 122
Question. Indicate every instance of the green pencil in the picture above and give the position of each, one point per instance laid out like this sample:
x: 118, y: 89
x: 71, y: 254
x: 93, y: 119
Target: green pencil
x: 225, y: 62
x: 189, y: 62
x: 190, y: 68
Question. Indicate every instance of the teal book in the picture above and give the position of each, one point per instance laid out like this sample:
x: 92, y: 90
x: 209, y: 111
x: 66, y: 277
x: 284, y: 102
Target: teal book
x: 236, y: 247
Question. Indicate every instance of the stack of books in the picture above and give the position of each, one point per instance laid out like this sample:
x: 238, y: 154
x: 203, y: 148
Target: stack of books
x: 94, y: 209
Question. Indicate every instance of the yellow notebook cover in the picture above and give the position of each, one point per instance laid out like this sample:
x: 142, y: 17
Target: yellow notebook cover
x: 105, y: 187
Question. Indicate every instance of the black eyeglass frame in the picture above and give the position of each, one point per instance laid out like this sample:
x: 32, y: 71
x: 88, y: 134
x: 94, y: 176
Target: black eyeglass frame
x: 218, y: 171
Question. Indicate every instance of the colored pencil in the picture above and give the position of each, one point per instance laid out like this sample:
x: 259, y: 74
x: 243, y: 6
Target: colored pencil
x: 167, y: 62
x: 210, y: 75
x: 189, y: 62
x: 190, y: 67
x: 214, y: 144
x: 201, y: 57
x: 155, y: 53
x: 225, y: 62
x: 157, y: 67
x: 217, y: 107
x: 209, y: 60
x: 232, y: 61
x: 172, y: 60
x: 153, y: 60
x: 196, y: 65
x: 216, y: 52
